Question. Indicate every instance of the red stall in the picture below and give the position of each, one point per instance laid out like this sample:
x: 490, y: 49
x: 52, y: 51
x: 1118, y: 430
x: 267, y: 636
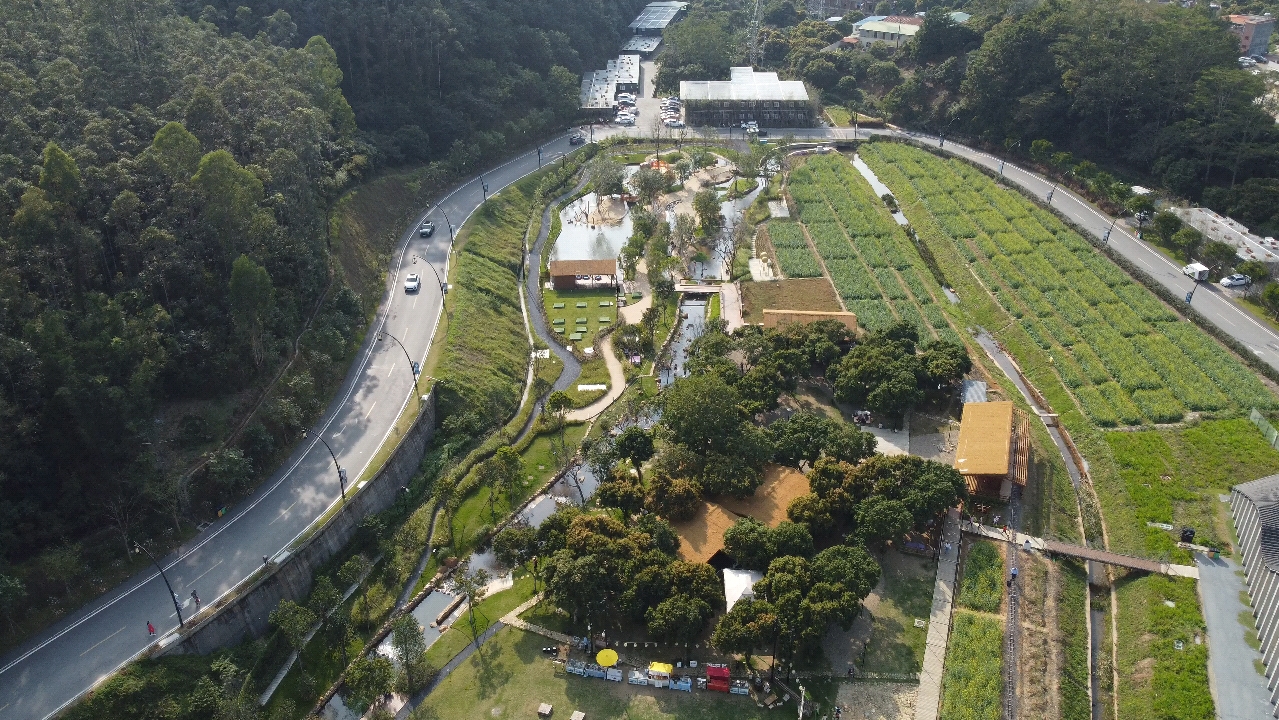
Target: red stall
x: 717, y: 678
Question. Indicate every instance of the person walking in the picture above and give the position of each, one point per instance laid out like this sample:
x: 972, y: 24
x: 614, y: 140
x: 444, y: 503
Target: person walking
x: 196, y: 598
x: 150, y: 629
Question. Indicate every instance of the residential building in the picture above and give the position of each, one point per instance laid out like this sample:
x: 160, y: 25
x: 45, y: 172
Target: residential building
x: 1253, y: 31
x: 1255, y: 507
x: 894, y: 30
x: 747, y: 96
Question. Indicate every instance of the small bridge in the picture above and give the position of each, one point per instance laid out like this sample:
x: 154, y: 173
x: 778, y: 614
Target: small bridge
x: 1081, y: 552
x: 697, y: 288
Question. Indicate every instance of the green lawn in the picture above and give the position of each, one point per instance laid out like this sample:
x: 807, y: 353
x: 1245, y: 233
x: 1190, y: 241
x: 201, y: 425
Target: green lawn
x: 1156, y: 680
x: 569, y: 316
x: 510, y: 677
x: 982, y: 586
x: 490, y: 610
x: 594, y: 372
x: 896, y: 645
x: 972, y: 682
x: 1174, y: 476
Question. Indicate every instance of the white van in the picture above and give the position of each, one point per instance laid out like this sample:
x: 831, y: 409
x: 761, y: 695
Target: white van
x: 1197, y: 271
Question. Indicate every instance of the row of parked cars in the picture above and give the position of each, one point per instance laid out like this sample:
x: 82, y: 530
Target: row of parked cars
x: 1248, y: 61
x: 671, y: 112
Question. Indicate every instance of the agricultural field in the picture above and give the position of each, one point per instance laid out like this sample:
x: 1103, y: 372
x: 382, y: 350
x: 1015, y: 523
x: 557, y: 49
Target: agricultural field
x: 982, y: 587
x: 1125, y: 356
x: 872, y: 263
x: 791, y: 250
x: 972, y: 683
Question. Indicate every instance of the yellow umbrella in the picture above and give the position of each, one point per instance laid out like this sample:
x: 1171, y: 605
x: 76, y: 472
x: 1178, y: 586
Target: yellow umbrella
x: 606, y: 658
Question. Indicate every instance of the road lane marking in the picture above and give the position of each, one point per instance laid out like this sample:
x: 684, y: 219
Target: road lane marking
x: 206, y: 572
x: 370, y: 412
x: 95, y: 647
x: 282, y: 513
x: 392, y: 370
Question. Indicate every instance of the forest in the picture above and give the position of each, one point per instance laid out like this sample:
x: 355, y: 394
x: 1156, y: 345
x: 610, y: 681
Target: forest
x: 166, y: 174
x: 1151, y: 92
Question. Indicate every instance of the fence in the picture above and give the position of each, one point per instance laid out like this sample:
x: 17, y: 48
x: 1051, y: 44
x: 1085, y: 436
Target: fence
x: 1272, y: 435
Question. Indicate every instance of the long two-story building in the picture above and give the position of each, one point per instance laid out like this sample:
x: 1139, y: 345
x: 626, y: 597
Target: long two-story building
x: 746, y: 96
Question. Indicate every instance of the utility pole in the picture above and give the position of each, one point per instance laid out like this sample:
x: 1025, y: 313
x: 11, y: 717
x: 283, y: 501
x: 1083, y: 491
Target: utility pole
x: 754, y: 31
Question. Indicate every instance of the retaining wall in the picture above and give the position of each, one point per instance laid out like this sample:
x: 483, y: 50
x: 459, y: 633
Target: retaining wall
x: 246, y: 613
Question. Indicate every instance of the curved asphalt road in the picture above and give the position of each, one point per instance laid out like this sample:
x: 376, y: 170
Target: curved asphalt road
x: 53, y: 669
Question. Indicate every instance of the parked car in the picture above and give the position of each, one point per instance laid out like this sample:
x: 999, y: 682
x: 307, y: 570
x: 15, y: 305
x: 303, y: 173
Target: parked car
x: 1235, y: 280
x: 412, y: 283
x: 427, y: 229
x: 675, y: 123
x: 1260, y: 58
x: 576, y: 139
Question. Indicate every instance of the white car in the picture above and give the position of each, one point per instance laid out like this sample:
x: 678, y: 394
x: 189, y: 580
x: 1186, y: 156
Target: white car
x: 412, y: 283
x: 626, y: 96
x: 675, y: 123
x: 1235, y: 280
x: 625, y: 120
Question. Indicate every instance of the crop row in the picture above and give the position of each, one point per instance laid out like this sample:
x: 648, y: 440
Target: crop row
x: 1134, y: 360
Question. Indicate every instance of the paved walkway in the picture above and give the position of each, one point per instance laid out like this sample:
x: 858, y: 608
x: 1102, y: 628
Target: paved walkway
x: 616, y: 385
x: 929, y: 698
x: 730, y: 307
x: 1238, y: 690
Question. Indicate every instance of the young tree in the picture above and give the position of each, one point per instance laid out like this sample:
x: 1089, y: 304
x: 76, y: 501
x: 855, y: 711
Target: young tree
x: 606, y: 175
x: 324, y: 597
x: 1186, y: 240
x: 636, y: 445
x: 294, y: 621
x: 515, y: 545
x: 1219, y: 253
x: 706, y: 205
x: 367, y: 680
x: 649, y: 184
x: 410, y: 647
x: 500, y: 474
x: 1164, y: 225
x: 352, y: 572
x: 472, y: 585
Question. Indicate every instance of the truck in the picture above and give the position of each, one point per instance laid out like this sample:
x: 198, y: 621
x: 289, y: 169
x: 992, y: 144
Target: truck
x: 1196, y: 271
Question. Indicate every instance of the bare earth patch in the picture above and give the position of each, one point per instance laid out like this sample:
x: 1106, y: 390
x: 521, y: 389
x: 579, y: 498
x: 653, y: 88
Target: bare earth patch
x: 879, y: 701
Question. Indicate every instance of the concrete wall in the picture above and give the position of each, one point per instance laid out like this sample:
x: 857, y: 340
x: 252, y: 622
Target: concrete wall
x: 246, y: 615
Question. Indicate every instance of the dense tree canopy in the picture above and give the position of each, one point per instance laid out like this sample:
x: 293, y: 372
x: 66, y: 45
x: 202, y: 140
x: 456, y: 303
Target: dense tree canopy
x: 164, y: 191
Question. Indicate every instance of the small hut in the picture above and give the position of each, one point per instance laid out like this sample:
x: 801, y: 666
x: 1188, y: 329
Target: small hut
x: 993, y: 449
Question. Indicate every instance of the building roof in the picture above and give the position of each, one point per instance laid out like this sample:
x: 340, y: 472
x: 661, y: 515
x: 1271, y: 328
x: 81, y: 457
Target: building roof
x: 642, y: 44
x: 744, y: 84
x: 868, y: 19
x: 1249, y: 19
x: 894, y: 28
x: 905, y: 19
x: 702, y: 535
x: 960, y: 17
x: 973, y: 391
x: 626, y: 68
x: 985, y: 439
x: 768, y: 505
x: 560, y: 268
x: 657, y: 15
x: 1264, y: 494
x: 739, y: 584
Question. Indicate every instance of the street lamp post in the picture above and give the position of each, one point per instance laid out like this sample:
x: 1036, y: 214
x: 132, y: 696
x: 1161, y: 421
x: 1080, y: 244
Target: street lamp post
x: 137, y: 547
x: 336, y: 464
x: 446, y: 221
x: 1105, y: 237
x: 413, y: 366
x: 444, y: 288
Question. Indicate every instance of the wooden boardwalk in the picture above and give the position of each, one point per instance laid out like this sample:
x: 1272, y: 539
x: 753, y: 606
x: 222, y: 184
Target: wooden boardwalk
x: 1083, y: 553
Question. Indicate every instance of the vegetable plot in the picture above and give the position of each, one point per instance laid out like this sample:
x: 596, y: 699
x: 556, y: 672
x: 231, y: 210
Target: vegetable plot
x: 1127, y: 358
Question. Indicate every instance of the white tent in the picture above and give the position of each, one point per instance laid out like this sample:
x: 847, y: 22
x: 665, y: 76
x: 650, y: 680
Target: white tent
x: 739, y: 584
